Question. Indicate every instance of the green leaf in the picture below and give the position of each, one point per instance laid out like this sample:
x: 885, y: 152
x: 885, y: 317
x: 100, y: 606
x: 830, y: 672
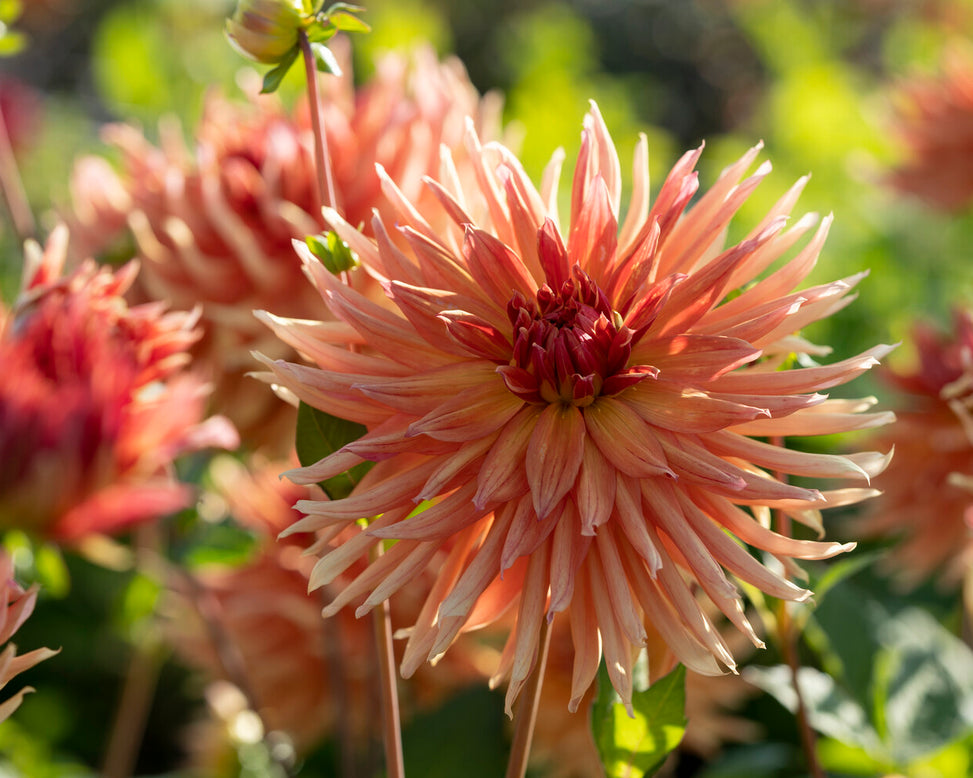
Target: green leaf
x: 637, y: 746
x: 320, y: 434
x: 325, y: 59
x: 320, y: 32
x: 52, y: 573
x: 333, y: 252
x: 831, y: 710
x: 11, y: 42
x: 274, y: 76
x: 347, y: 23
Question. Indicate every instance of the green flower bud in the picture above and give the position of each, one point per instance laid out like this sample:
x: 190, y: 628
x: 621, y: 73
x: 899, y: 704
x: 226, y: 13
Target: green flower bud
x: 265, y: 30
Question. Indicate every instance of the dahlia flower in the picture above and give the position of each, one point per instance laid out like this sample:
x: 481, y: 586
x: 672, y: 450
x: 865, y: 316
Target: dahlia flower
x: 935, y: 123
x: 16, y: 605
x: 571, y: 405
x: 213, y: 226
x: 927, y: 502
x: 94, y: 403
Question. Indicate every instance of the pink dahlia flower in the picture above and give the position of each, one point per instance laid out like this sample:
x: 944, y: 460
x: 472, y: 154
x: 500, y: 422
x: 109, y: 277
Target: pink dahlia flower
x: 213, y: 225
x: 572, y: 404
x: 935, y: 123
x: 16, y: 605
x: 928, y: 490
x: 94, y: 402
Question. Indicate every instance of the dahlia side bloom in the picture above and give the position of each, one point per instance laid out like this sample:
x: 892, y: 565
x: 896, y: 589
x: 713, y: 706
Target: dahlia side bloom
x: 572, y: 404
x: 213, y: 225
x: 935, y: 124
x: 927, y: 503
x: 94, y: 402
x: 16, y: 604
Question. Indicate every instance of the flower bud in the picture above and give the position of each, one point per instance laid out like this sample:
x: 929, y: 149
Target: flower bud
x: 265, y: 30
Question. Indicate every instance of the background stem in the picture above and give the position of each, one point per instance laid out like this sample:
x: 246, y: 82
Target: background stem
x: 322, y: 158
x: 527, y: 710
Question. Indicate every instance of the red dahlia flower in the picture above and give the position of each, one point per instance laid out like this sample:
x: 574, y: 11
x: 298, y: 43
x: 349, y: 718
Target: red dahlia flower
x: 94, y: 402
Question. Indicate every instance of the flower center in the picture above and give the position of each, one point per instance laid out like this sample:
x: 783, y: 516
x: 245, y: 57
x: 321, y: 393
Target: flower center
x: 569, y: 345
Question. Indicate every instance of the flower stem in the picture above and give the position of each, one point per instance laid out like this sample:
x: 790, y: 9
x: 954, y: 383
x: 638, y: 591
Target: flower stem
x: 392, y: 727
x: 133, y: 709
x: 322, y: 158
x: 527, y: 710
x: 787, y: 636
x: 13, y: 188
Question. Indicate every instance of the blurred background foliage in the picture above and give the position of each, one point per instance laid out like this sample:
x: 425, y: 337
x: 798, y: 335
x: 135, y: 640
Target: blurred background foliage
x: 813, y: 79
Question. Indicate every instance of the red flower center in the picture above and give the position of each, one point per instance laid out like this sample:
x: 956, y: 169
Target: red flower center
x: 569, y: 345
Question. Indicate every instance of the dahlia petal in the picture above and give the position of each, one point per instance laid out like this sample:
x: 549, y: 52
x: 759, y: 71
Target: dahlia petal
x: 594, y: 492
x: 662, y: 614
x: 489, y: 187
x: 363, y: 503
x: 677, y: 190
x: 449, y: 203
x: 568, y: 550
x: 533, y: 602
x: 495, y: 267
x: 671, y: 406
x: 502, y: 475
x: 471, y: 414
x: 357, y: 242
x: 801, y: 379
x: 549, y: 185
x: 526, y: 212
x: 476, y: 337
x: 624, y: 439
x: 618, y: 654
x: 636, y: 269
x: 632, y: 519
x: 659, y: 500
x: 526, y: 532
x: 622, y: 602
x: 456, y: 466
x: 453, y: 512
x: 407, y: 567
x: 423, y: 633
x: 592, y: 242
x: 698, y: 357
x: 373, y: 575
x: 423, y: 392
x: 339, y: 558
x: 441, y: 269
x: 498, y: 597
x: 422, y: 308
x: 554, y: 455
x: 393, y: 263
x: 778, y: 458
x: 585, y: 638
x: 753, y: 533
x: 553, y: 254
x: 638, y: 207
x: 735, y: 559
x: 812, y: 421
x: 692, y: 237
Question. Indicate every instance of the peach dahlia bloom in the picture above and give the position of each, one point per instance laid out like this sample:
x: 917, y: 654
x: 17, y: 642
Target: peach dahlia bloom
x: 94, y: 402
x: 927, y: 504
x: 16, y: 604
x: 213, y: 224
x: 935, y: 123
x: 572, y: 403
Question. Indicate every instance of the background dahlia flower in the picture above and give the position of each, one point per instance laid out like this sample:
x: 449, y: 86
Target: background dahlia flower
x: 94, y: 401
x: 927, y: 500
x: 305, y: 677
x: 571, y: 404
x: 213, y: 225
x: 16, y: 604
x: 935, y: 122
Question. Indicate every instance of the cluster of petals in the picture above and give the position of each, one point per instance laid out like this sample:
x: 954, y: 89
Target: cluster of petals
x: 927, y: 500
x: 213, y: 224
x: 16, y: 604
x: 94, y: 401
x: 576, y: 407
x: 935, y: 123
x: 305, y: 678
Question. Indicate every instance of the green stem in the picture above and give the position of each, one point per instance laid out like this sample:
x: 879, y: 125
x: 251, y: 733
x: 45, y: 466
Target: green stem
x: 391, y: 723
x: 322, y: 158
x: 526, y: 716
